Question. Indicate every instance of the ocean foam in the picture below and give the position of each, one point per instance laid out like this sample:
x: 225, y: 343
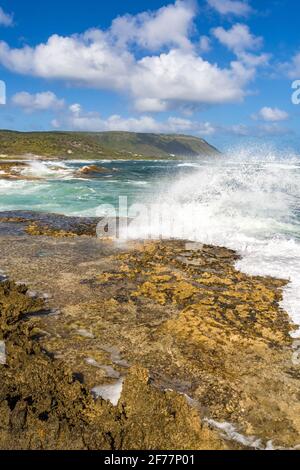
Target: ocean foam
x: 2, y: 353
x: 247, y: 204
x: 247, y: 201
x: 49, y: 169
x: 230, y: 432
x: 110, y: 392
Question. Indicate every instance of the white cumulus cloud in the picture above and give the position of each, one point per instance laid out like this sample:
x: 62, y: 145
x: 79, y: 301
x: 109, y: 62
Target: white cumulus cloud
x: 176, y: 78
x: 166, y: 73
x: 6, y: 19
x: 238, y: 38
x: 37, y: 102
x: 168, y: 26
x: 272, y: 114
x: 254, y: 60
x: 204, y: 44
x: 86, y: 59
x: 77, y: 119
x: 293, y: 67
x: 231, y: 7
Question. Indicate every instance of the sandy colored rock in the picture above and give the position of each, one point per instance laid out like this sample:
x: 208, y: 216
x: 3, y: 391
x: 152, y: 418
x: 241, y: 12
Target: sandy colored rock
x: 44, y: 405
x: 92, y: 170
x: 215, y: 343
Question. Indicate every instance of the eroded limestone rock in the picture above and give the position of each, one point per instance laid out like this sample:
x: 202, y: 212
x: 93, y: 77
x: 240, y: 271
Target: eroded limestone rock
x: 214, y: 341
x: 44, y: 405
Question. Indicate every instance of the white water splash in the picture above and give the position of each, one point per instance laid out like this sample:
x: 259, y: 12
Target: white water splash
x: 2, y: 353
x: 110, y: 392
x: 249, y: 202
x: 49, y: 169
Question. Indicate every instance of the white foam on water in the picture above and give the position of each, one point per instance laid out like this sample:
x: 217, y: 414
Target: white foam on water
x: 14, y: 193
x: 110, y: 392
x: 110, y: 372
x: 16, y: 185
x: 85, y: 333
x: 2, y: 353
x: 230, y: 432
x: 49, y: 169
x: 249, y: 202
x: 188, y: 165
x: 137, y: 183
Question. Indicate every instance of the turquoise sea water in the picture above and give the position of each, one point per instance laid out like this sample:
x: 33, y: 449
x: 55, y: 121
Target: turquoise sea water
x: 250, y: 203
x: 60, y: 190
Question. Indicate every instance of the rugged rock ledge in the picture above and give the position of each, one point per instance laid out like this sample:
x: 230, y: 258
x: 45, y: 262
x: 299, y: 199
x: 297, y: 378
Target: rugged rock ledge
x: 45, y: 405
x: 214, y: 342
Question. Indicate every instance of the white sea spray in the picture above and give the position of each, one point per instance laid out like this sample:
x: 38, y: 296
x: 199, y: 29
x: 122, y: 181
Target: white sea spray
x: 249, y: 202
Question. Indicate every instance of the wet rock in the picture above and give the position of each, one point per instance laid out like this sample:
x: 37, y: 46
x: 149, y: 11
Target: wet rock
x: 13, y: 170
x: 92, y: 171
x: 44, y: 405
x: 199, y: 329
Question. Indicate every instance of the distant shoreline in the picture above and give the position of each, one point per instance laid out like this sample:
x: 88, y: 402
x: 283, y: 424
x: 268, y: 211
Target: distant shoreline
x: 31, y: 157
x: 102, y: 145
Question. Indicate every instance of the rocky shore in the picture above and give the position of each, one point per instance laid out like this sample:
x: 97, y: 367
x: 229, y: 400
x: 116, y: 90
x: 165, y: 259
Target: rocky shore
x: 13, y: 170
x: 140, y: 345
x: 21, y: 170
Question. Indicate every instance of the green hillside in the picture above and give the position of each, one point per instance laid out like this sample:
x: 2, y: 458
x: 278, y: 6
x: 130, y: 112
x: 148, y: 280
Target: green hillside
x: 102, y: 145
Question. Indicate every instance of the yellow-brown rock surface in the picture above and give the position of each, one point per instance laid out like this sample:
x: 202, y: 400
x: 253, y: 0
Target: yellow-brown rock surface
x: 197, y: 343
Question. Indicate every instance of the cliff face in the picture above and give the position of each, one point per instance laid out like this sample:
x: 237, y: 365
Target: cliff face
x: 101, y: 145
x: 191, y: 353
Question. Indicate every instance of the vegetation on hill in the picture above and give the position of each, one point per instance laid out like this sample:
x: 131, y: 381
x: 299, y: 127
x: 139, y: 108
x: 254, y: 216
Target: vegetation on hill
x: 102, y: 145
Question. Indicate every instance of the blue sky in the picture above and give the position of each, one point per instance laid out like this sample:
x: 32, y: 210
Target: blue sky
x: 219, y: 69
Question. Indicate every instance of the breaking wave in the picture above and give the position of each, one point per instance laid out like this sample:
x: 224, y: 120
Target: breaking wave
x: 248, y: 201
